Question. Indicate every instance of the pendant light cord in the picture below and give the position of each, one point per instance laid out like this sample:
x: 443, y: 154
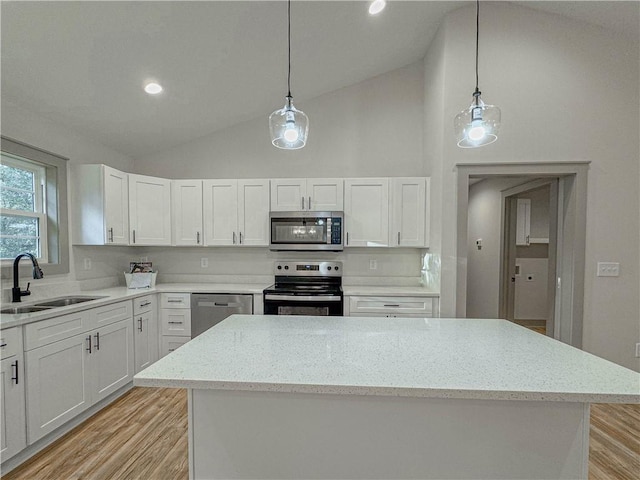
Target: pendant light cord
x: 289, y: 40
x: 477, y: 92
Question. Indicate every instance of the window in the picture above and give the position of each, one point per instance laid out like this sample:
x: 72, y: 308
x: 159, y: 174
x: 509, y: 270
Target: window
x: 23, y: 220
x: 33, y: 207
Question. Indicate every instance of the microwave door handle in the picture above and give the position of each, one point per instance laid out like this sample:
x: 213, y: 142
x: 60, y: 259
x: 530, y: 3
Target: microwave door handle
x: 302, y: 203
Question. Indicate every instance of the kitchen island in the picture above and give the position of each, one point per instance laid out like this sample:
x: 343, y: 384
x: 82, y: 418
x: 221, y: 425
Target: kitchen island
x: 345, y: 397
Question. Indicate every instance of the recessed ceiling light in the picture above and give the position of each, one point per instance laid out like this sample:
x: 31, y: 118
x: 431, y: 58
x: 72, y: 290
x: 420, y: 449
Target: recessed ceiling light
x: 153, y: 88
x: 377, y: 6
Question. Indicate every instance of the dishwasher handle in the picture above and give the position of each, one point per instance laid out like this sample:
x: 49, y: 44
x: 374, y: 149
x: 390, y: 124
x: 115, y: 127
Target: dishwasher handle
x: 202, y: 303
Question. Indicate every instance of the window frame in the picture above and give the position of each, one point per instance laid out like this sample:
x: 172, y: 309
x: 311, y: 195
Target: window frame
x: 55, y: 205
x: 39, y: 176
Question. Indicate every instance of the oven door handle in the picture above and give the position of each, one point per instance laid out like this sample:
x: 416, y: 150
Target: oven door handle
x: 304, y: 298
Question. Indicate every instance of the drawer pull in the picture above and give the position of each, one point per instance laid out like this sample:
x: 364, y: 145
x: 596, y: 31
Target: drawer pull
x: 145, y: 304
x: 88, y: 340
x: 175, y: 323
x: 174, y: 301
x: 392, y: 305
x: 140, y: 324
x: 172, y: 349
x: 97, y: 340
x: 15, y: 365
x: 3, y: 345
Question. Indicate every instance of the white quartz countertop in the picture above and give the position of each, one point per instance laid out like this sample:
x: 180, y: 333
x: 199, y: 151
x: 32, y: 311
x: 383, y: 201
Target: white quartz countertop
x: 439, y: 358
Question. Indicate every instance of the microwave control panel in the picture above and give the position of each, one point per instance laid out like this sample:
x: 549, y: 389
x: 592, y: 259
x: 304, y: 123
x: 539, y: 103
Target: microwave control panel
x: 336, y: 231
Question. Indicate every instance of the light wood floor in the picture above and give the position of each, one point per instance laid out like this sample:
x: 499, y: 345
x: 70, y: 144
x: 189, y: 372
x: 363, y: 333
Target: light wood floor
x: 143, y: 435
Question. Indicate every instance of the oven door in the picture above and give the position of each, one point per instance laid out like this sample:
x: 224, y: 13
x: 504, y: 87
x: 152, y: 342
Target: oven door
x: 316, y: 305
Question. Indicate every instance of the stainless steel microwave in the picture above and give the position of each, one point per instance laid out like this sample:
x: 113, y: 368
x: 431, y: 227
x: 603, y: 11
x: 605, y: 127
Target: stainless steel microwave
x: 304, y: 231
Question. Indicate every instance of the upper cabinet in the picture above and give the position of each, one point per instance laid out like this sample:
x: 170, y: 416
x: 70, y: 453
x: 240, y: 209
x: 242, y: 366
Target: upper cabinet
x: 366, y: 212
x: 149, y: 210
x: 101, y: 205
x: 236, y: 212
x: 307, y: 194
x: 409, y: 212
x: 186, y: 211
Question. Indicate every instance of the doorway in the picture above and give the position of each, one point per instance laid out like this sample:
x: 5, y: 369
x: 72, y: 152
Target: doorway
x: 565, y: 272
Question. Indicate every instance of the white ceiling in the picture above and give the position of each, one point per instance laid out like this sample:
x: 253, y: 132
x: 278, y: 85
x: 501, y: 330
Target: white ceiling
x: 83, y: 64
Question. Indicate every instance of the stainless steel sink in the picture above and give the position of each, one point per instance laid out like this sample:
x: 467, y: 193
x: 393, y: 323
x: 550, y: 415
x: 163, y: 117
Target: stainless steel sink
x: 26, y: 309
x: 66, y: 301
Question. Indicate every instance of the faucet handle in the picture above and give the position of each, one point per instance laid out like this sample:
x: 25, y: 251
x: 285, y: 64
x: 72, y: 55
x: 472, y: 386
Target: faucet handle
x: 27, y: 291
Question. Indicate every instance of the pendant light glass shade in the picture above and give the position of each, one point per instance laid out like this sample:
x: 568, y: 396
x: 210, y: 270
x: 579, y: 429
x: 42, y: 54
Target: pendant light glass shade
x: 478, y: 124
x: 289, y: 127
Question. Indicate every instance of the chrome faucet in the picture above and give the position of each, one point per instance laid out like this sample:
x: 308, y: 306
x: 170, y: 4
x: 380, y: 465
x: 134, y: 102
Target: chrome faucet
x: 16, y: 292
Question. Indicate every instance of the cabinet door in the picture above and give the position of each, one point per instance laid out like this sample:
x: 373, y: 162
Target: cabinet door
x: 253, y: 212
x: 116, y: 206
x: 366, y: 209
x: 220, y: 212
x: 186, y: 204
x: 288, y: 194
x: 57, y: 383
x: 325, y: 194
x: 13, y: 429
x: 149, y: 210
x: 523, y: 223
x: 145, y: 339
x: 112, y: 361
x: 408, y: 212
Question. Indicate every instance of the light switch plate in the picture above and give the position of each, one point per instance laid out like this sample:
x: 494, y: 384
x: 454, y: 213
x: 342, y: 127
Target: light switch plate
x: 608, y: 269
x: 204, y: 262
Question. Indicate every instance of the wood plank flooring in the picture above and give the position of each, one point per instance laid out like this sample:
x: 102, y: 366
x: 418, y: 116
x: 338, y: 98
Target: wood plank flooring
x: 143, y: 435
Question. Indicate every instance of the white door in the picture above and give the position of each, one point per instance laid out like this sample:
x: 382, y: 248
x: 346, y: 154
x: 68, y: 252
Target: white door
x: 366, y: 210
x: 145, y: 327
x: 13, y: 433
x: 149, y: 210
x: 325, y: 194
x: 116, y: 206
x: 57, y: 384
x: 186, y: 203
x: 220, y: 212
x: 253, y: 212
x: 112, y: 361
x: 288, y: 195
x: 408, y: 212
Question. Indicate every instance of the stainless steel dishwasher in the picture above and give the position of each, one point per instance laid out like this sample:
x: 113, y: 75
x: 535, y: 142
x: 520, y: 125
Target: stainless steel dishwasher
x: 208, y: 309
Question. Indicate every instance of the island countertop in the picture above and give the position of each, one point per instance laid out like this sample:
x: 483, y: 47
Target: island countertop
x: 411, y: 357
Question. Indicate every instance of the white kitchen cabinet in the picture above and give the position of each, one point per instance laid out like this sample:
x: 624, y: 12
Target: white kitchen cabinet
x: 409, y: 213
x: 236, y: 212
x: 366, y: 211
x: 149, y: 210
x: 145, y: 328
x: 523, y: 222
x: 175, y: 321
x: 73, y: 361
x: 171, y: 343
x: 392, y: 306
x: 186, y: 212
x: 13, y: 423
x: 100, y: 205
x: 307, y: 194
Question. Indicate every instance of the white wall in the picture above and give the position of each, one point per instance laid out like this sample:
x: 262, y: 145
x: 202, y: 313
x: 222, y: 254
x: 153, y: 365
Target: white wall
x: 565, y: 89
x: 373, y: 128
x: 26, y: 127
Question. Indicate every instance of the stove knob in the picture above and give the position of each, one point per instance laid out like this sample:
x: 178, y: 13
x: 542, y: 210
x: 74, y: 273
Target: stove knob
x: 279, y: 267
x: 286, y: 267
x: 328, y: 268
x: 336, y: 267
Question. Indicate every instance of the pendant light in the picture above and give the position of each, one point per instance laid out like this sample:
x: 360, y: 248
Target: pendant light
x: 478, y: 124
x: 289, y: 126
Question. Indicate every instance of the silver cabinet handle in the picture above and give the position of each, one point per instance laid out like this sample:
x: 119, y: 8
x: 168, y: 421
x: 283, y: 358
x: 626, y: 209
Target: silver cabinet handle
x: 140, y: 324
x: 347, y: 238
x: 88, y: 339
x: 172, y: 349
x: 3, y: 345
x: 134, y: 236
x: 198, y: 238
x: 174, y: 301
x: 309, y: 205
x: 97, y: 341
x: 234, y: 238
x: 302, y: 203
x: 110, y: 236
x: 527, y: 239
x: 240, y: 238
x: 175, y: 323
x: 398, y: 238
x: 15, y: 365
x: 392, y: 305
x: 145, y: 304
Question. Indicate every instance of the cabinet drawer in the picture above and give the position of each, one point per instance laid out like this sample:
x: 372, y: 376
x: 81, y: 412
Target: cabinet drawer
x: 391, y: 305
x: 143, y: 304
x: 9, y: 342
x: 51, y: 330
x: 170, y: 343
x: 175, y: 300
x: 111, y: 313
x: 176, y: 321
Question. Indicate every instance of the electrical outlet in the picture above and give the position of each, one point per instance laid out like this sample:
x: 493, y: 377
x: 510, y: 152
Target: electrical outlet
x: 373, y: 264
x: 638, y: 350
x: 204, y: 262
x: 87, y: 264
x: 608, y: 269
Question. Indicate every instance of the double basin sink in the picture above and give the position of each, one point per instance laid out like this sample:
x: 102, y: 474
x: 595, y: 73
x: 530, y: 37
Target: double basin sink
x: 47, y: 305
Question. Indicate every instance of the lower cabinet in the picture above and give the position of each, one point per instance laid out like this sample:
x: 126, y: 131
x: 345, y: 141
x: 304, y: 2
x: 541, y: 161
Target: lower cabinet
x: 175, y: 321
x: 171, y: 342
x: 12, y: 394
x: 66, y: 377
x: 374, y: 306
x: 145, y: 332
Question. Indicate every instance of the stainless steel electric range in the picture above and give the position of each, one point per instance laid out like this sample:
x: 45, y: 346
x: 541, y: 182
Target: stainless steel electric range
x: 305, y: 288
